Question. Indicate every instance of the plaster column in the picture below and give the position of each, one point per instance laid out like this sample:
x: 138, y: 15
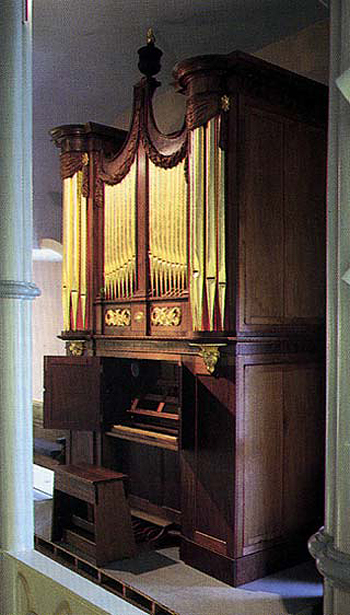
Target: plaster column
x: 16, y: 289
x: 331, y: 546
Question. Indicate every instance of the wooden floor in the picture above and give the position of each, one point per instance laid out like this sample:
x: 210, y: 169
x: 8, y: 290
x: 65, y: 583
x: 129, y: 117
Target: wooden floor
x: 158, y: 583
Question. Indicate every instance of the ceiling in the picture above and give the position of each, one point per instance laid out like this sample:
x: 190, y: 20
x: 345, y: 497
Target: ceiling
x: 85, y: 60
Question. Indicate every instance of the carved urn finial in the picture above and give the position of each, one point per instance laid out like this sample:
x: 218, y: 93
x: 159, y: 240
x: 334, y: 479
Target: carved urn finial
x: 149, y: 56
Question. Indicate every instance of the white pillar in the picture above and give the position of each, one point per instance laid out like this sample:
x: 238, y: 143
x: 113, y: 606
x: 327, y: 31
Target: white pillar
x: 16, y: 289
x: 331, y: 546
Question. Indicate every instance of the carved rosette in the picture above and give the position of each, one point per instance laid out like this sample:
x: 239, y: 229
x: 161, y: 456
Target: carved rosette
x: 166, y: 316
x: 119, y: 317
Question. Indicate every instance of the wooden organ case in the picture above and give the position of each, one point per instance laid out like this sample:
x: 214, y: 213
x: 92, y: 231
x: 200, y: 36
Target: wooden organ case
x: 193, y: 299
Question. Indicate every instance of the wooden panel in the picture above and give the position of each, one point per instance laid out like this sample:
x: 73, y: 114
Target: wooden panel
x: 303, y: 458
x: 215, y: 457
x: 262, y: 232
x: 113, y: 529
x: 188, y: 451
x: 305, y: 222
x: 72, y: 485
x: 154, y: 475
x: 72, y: 393
x: 136, y: 461
x: 171, y: 472
x: 82, y: 447
x: 263, y: 431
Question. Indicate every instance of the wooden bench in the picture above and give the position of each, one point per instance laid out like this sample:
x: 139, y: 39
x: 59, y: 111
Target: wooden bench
x: 91, y: 513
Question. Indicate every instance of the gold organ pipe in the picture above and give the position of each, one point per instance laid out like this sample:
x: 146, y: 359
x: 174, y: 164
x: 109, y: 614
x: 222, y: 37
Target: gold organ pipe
x: 130, y: 235
x: 166, y: 191
x: 168, y: 224
x: 76, y: 195
x: 124, y: 258
x: 111, y: 233
x: 162, y: 232
x: 108, y: 237
x: 128, y: 214
x: 183, y: 227
x: 207, y: 224
x: 74, y: 266
x: 172, y: 231
x: 107, y: 227
x: 66, y: 254
x: 176, y: 231
x: 197, y: 204
x: 113, y: 244
x: 120, y: 237
x: 133, y: 227
x: 222, y: 281
x: 83, y: 259
x: 127, y: 205
x: 118, y: 196
x: 152, y: 234
x: 211, y: 218
x: 154, y: 240
x: 112, y: 254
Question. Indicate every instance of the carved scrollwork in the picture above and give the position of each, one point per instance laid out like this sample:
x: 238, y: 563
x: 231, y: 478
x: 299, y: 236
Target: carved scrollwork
x: 166, y: 316
x: 119, y: 317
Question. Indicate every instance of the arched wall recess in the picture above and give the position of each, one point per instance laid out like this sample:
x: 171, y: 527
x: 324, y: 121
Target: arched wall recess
x: 63, y: 609
x: 24, y: 597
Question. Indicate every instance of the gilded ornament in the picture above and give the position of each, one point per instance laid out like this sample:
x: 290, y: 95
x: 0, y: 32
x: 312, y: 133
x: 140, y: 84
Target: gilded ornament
x: 150, y: 36
x: 166, y: 316
x: 76, y: 349
x: 210, y: 354
x: 139, y: 316
x: 85, y: 159
x: 210, y: 357
x: 225, y: 102
x: 120, y: 317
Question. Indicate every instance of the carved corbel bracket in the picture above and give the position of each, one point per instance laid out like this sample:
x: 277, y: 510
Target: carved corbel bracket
x: 76, y: 348
x: 210, y: 354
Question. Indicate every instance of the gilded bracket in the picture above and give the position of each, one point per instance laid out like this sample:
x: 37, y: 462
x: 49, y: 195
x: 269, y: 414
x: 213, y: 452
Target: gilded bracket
x: 76, y: 349
x: 210, y: 354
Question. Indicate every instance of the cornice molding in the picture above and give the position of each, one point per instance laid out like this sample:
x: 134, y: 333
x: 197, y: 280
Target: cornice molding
x: 333, y: 564
x: 15, y: 289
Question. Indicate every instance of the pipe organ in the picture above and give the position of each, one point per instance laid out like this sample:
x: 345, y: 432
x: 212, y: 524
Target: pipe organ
x: 194, y: 296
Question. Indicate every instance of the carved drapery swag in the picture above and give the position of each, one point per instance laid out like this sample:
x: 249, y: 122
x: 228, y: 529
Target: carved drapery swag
x: 71, y: 163
x: 113, y: 171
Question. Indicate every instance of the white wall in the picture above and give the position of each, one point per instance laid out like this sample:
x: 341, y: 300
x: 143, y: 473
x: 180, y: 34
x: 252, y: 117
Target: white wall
x: 47, y: 319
